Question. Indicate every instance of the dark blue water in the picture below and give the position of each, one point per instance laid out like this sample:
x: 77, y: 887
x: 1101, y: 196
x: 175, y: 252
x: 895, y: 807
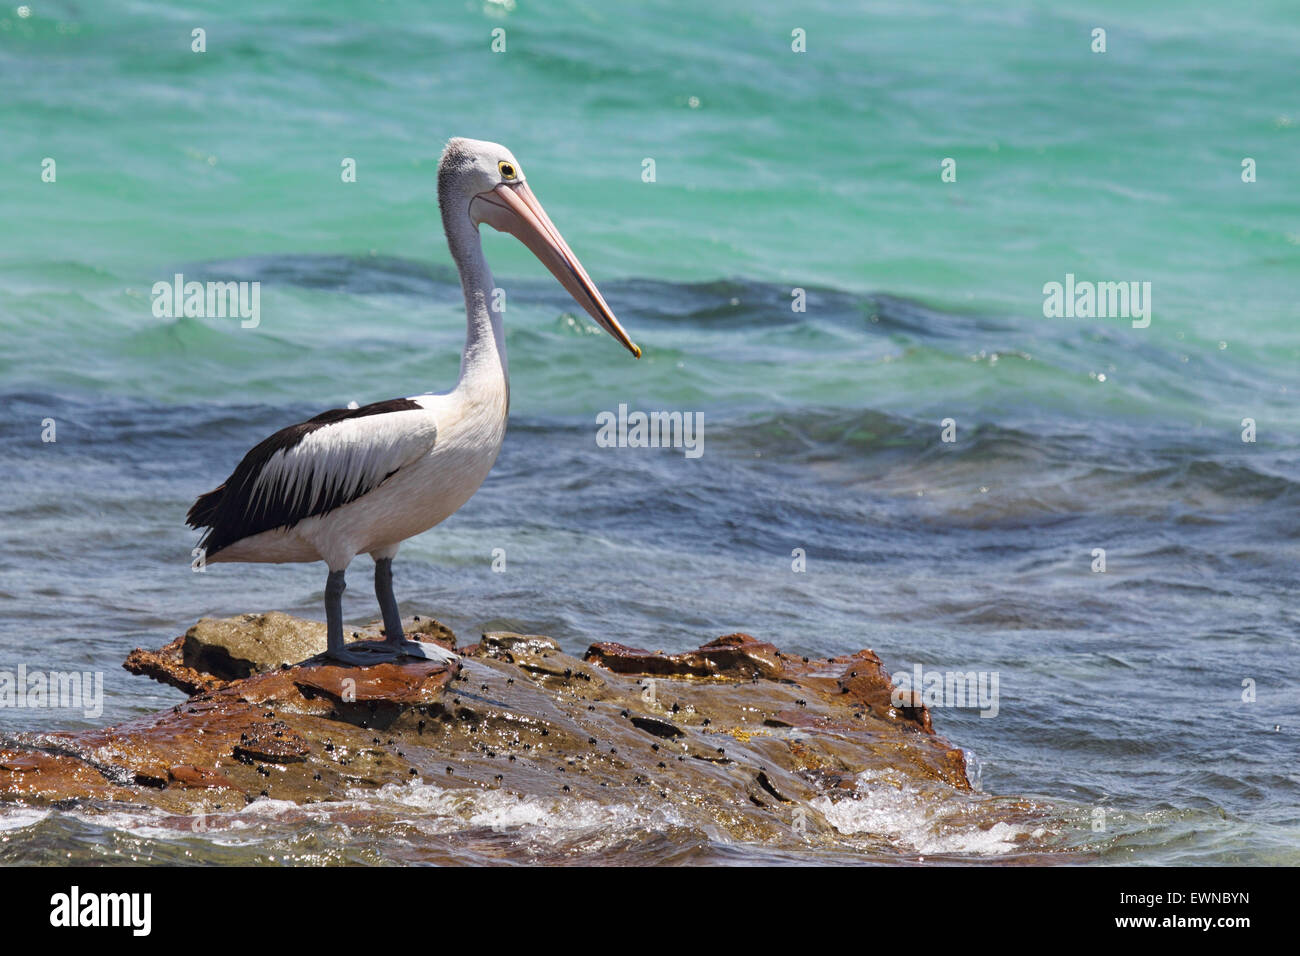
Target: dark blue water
x: 1121, y: 693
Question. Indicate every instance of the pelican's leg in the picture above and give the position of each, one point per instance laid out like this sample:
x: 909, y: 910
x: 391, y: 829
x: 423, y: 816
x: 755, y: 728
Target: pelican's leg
x: 359, y: 653
x: 394, y: 637
x: 388, y: 601
x: 334, y: 587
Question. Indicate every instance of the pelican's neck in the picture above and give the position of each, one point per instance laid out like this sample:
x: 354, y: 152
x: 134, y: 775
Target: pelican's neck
x: 483, y: 368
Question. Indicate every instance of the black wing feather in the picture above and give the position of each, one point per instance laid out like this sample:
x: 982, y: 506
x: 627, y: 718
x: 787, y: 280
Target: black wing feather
x: 225, y: 511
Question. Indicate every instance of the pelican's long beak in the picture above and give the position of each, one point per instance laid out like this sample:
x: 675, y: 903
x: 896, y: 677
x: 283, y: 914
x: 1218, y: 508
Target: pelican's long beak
x: 512, y: 208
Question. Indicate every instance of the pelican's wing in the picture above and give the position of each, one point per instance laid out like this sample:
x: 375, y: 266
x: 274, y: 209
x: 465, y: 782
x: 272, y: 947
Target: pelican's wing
x: 314, y: 467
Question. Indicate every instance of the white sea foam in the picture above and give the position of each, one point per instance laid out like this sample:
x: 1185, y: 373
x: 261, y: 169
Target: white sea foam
x: 429, y: 808
x: 882, y: 806
x: 20, y: 818
x: 544, y: 819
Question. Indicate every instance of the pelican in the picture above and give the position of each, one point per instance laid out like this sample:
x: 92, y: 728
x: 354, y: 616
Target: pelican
x: 362, y: 480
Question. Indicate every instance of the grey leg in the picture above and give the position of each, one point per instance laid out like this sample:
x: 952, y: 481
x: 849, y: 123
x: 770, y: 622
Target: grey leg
x: 360, y: 654
x: 394, y: 645
x: 334, y: 587
x: 394, y: 639
x: 388, y: 601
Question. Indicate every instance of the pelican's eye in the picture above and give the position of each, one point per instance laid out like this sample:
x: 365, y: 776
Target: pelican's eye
x: 507, y: 170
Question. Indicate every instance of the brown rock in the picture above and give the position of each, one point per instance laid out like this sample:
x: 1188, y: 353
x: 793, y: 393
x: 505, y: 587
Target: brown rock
x: 25, y: 764
x: 503, y: 644
x: 737, y: 656
x: 733, y: 736
x: 165, y: 665
x: 184, y: 775
x: 404, y: 683
x: 272, y: 742
x: 238, y: 647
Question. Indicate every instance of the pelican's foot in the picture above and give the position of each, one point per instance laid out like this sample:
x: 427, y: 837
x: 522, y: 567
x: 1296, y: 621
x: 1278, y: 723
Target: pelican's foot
x: 423, y: 649
x: 365, y: 653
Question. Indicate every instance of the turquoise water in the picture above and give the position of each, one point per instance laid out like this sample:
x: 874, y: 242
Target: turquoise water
x: 774, y: 170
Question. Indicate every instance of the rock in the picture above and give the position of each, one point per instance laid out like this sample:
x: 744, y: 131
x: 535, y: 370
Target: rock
x: 166, y: 665
x: 501, y: 644
x: 427, y: 629
x: 216, y: 651
x: 24, y: 764
x: 733, y: 734
x: 238, y: 647
x: 657, y: 727
x: 735, y: 655
x: 270, y: 742
x: 184, y: 775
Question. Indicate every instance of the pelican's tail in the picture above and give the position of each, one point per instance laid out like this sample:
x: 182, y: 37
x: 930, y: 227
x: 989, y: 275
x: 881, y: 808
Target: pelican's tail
x: 203, y: 513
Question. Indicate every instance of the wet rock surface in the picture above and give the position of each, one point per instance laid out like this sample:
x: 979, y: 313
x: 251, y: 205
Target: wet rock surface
x: 736, y: 735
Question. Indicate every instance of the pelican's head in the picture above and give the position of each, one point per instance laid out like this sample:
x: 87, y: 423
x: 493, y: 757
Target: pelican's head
x: 484, y: 182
